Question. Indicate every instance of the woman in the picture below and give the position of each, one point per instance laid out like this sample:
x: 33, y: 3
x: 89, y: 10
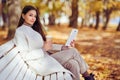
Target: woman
x: 33, y: 46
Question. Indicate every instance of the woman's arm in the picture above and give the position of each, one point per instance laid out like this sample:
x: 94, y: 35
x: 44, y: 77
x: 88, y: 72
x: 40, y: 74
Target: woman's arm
x: 49, y: 46
x: 72, y: 44
x: 20, y: 40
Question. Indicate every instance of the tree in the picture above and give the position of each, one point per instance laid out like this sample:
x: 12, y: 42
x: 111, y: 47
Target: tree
x: 107, y: 13
x: 108, y: 8
x: 83, y: 12
x: 4, y: 14
x: 116, y: 13
x: 96, y: 10
x: 0, y: 7
x: 73, y: 18
x: 51, y: 19
x: 97, y: 19
x: 118, y: 27
x: 51, y: 6
x: 54, y: 9
x: 14, y: 11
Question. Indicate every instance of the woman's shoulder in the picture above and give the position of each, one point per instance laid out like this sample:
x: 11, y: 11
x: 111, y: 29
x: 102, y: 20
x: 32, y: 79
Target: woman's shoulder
x: 20, y: 28
x: 23, y: 28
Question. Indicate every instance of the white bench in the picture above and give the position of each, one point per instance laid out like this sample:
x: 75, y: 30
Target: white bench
x: 13, y: 67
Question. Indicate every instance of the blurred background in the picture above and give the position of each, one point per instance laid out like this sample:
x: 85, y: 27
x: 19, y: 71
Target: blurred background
x: 98, y: 22
x: 75, y: 13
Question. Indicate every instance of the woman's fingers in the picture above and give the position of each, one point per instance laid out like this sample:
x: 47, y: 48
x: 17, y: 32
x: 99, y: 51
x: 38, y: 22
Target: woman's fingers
x: 72, y: 43
x: 64, y: 47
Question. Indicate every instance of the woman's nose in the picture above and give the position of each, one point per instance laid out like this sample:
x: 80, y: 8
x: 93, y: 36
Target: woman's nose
x: 33, y: 18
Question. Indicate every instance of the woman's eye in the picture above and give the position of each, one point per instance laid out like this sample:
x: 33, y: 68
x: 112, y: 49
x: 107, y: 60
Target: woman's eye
x: 30, y: 15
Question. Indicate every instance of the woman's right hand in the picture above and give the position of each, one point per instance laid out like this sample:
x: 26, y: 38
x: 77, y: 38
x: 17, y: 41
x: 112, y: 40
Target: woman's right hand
x: 47, y: 45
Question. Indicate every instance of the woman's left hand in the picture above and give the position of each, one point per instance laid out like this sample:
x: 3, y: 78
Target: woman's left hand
x: 72, y: 44
x: 64, y: 47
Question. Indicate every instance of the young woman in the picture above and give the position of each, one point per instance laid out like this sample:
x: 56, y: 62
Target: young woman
x: 33, y: 46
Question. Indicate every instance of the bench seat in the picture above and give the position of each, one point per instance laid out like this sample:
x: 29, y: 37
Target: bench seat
x: 13, y: 67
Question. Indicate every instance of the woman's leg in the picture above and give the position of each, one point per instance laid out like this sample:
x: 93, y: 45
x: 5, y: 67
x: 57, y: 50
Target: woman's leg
x: 73, y: 66
x: 76, y: 63
x: 66, y: 55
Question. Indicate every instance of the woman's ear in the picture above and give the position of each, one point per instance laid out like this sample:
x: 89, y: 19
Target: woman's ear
x: 23, y: 16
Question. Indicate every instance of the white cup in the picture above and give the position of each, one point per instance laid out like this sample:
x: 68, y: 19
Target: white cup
x: 49, y: 41
x: 49, y: 38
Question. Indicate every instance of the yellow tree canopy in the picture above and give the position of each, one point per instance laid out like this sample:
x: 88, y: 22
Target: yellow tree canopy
x: 94, y: 6
x: 49, y: 6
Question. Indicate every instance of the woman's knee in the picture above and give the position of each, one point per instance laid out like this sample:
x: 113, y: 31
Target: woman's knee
x: 72, y: 64
x: 73, y: 50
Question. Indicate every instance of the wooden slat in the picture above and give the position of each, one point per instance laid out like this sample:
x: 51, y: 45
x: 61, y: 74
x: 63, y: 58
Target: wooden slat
x: 39, y: 78
x: 7, y: 58
x: 47, y: 77
x: 22, y: 72
x: 5, y: 73
x: 53, y: 76
x: 33, y: 76
x: 67, y: 76
x: 12, y: 67
x: 27, y: 75
x: 16, y: 70
x: 6, y: 47
x: 60, y: 76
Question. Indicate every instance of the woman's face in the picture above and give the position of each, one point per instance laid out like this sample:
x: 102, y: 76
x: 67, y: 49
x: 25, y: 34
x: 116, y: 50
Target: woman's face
x: 30, y: 17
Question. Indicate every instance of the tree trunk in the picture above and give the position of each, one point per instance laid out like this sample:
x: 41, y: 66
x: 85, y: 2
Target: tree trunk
x: 107, y: 15
x: 0, y: 8
x: 14, y: 12
x: 106, y: 22
x: 118, y: 27
x: 73, y: 18
x: 82, y: 23
x: 97, y: 19
x: 51, y: 19
x: 4, y: 14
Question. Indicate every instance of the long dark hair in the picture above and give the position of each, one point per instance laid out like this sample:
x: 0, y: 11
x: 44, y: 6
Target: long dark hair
x: 37, y: 26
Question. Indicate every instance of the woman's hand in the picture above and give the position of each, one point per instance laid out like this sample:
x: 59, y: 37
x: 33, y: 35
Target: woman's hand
x: 64, y: 47
x: 72, y: 44
x: 47, y: 45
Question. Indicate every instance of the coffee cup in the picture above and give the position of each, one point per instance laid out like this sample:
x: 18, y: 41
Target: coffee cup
x: 49, y: 38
